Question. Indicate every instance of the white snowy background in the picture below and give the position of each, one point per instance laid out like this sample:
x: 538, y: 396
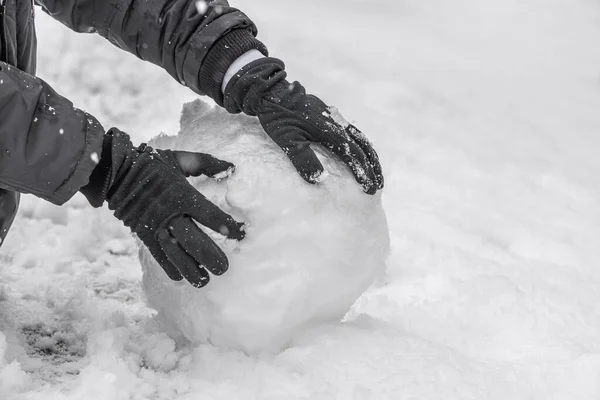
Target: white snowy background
x: 486, y: 114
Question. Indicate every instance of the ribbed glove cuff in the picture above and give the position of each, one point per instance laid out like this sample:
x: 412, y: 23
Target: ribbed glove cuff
x: 96, y: 189
x: 117, y: 150
x: 247, y: 88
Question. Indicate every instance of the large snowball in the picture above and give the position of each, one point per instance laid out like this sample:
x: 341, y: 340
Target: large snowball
x: 309, y: 253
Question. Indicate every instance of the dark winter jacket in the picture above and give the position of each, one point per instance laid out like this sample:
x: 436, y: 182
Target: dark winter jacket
x: 48, y: 147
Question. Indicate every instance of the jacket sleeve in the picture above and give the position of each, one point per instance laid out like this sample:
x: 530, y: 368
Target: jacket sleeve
x: 47, y: 147
x: 194, y: 41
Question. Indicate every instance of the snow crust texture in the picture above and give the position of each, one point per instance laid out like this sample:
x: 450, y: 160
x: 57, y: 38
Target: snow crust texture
x: 310, y: 250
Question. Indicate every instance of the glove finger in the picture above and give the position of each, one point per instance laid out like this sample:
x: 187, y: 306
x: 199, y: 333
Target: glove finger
x: 164, y: 263
x: 369, y: 151
x: 211, y: 216
x: 186, y: 265
x: 199, y: 245
x: 196, y: 164
x: 353, y: 156
x: 304, y: 159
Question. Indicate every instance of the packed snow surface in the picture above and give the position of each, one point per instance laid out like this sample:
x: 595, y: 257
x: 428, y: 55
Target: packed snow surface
x: 485, y: 115
x: 310, y: 250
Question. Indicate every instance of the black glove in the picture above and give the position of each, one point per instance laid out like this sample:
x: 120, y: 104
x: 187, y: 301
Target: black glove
x: 149, y: 192
x: 294, y: 119
x: 9, y: 204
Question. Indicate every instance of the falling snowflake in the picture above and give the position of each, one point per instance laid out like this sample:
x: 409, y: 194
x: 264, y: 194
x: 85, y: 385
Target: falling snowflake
x: 201, y: 6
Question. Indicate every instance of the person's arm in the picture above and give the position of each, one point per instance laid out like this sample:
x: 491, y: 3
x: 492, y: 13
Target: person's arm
x: 194, y: 41
x: 51, y: 149
x: 47, y: 147
x: 209, y: 48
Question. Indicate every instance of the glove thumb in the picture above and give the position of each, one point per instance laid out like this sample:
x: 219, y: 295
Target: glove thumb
x: 197, y: 164
x: 304, y: 159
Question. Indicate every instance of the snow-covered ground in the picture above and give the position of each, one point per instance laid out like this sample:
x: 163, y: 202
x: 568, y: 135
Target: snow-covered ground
x: 486, y: 115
